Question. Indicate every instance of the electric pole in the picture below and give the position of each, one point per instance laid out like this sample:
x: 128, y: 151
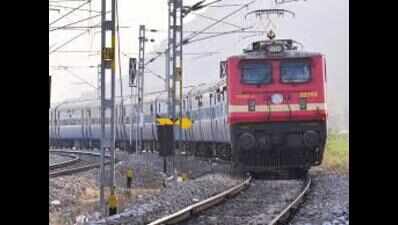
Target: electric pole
x: 174, y: 56
x: 140, y: 85
x: 132, y: 75
x: 107, y: 95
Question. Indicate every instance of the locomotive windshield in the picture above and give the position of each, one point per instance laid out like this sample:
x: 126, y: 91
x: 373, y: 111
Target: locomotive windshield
x: 256, y: 73
x: 295, y: 72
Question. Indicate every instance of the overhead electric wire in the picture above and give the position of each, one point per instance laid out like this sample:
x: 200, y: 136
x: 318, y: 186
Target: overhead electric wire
x: 79, y: 51
x: 51, y: 46
x: 79, y: 21
x: 215, y: 35
x: 83, y: 27
x: 68, y: 41
x: 187, y: 40
x: 71, y: 66
x: 225, y: 5
x: 54, y: 9
x: 221, y: 20
x: 81, y: 79
x: 70, y: 12
x: 155, y: 74
x: 215, y: 19
x: 68, y: 7
x: 68, y: 1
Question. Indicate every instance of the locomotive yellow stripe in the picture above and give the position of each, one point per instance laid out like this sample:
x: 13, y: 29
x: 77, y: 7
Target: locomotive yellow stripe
x: 277, y: 108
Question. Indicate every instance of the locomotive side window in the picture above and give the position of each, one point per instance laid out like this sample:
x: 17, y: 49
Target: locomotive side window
x: 256, y: 73
x: 295, y: 72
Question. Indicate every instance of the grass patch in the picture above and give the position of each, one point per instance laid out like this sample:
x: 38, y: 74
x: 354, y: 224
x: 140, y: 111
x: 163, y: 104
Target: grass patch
x: 336, y: 153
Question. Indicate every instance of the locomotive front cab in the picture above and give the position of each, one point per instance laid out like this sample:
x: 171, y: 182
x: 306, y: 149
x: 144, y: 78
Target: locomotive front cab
x: 277, y: 110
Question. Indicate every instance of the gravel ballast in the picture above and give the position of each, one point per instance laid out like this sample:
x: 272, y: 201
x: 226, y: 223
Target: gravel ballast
x: 75, y: 197
x: 254, y: 206
x: 327, y: 203
x: 171, y: 199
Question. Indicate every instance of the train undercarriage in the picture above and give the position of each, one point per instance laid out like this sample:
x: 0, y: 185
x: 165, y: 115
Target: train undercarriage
x: 256, y: 148
x: 268, y: 147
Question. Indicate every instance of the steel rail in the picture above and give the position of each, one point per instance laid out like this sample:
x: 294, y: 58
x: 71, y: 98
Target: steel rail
x: 285, y: 214
x: 75, y: 169
x: 77, y: 152
x: 69, y: 171
x: 74, y: 159
x: 196, y: 208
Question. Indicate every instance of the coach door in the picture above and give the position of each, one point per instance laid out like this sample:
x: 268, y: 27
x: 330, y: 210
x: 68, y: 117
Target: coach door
x: 82, y: 122
x: 122, y: 122
x: 211, y: 117
x: 89, y: 128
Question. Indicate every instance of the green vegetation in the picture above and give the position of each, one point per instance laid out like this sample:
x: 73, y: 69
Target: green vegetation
x: 336, y: 153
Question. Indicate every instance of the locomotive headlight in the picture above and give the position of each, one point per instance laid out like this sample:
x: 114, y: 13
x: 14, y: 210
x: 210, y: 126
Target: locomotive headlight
x: 275, y: 48
x: 247, y: 141
x: 277, y: 98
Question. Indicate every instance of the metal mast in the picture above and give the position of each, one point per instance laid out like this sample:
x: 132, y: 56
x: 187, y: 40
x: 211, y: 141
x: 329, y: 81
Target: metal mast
x: 140, y: 84
x: 99, y: 85
x: 174, y: 55
x: 107, y: 94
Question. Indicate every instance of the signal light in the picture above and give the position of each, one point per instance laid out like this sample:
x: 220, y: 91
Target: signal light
x: 132, y: 71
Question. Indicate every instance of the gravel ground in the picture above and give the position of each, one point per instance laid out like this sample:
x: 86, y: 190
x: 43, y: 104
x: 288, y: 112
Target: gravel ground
x: 171, y: 199
x: 75, y: 197
x: 256, y: 205
x: 57, y: 158
x: 328, y: 201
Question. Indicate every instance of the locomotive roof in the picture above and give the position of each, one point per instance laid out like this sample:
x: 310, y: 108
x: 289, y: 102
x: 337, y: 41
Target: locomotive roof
x: 286, y: 54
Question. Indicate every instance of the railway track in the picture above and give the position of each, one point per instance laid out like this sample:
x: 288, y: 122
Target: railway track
x: 81, y: 161
x: 73, y: 158
x: 256, y: 202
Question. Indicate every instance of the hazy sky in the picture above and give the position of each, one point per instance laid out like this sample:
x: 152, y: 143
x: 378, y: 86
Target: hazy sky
x: 321, y: 25
x: 152, y: 13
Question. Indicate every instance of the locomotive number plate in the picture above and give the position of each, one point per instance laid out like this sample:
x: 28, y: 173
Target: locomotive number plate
x: 308, y: 94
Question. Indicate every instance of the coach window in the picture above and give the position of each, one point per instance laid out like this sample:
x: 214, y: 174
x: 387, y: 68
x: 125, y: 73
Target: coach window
x: 295, y: 72
x: 199, y: 99
x: 256, y: 73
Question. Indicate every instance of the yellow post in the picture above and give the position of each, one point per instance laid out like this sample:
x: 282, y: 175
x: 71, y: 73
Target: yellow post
x: 112, y: 202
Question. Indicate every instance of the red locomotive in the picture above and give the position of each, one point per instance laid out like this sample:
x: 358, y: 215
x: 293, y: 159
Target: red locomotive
x: 276, y: 107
